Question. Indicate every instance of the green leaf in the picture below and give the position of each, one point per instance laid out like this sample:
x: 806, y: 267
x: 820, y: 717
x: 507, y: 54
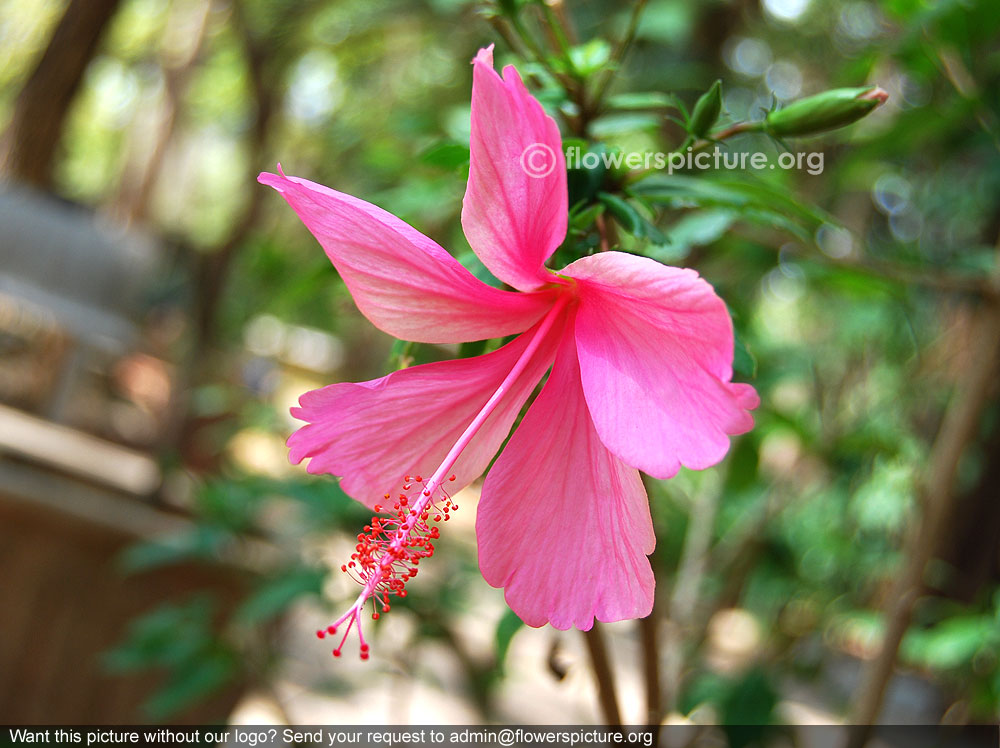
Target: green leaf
x: 446, y: 155
x: 511, y: 8
x: 169, y: 634
x: 509, y: 625
x: 584, y: 182
x: 748, y: 708
x: 202, y: 542
x: 400, y: 354
x: 643, y: 100
x: 951, y: 644
x: 621, y: 124
x: 633, y: 221
x: 698, y: 229
x: 583, y: 219
x: 473, y: 348
x: 652, y: 232
x: 191, y: 683
x: 274, y: 597
x: 471, y: 262
x: 627, y: 216
x: 590, y: 58
x: 324, y: 503
x: 230, y: 504
x: 750, y: 198
x: 744, y: 362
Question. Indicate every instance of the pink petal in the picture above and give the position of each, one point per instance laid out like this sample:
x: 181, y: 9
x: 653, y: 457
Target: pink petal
x: 656, y: 352
x: 563, y: 524
x: 375, y: 433
x: 402, y: 281
x: 512, y: 220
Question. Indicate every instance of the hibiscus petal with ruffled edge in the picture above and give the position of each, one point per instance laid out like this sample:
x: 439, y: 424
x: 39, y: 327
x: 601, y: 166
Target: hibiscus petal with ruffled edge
x: 375, y: 433
x: 563, y: 524
x: 403, y: 282
x: 514, y: 221
x: 656, y: 350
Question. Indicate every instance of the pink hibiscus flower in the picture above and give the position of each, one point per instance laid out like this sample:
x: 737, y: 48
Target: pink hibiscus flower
x: 641, y: 358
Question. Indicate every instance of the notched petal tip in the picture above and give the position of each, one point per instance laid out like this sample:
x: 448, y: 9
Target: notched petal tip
x: 272, y: 180
x: 515, y: 206
x: 511, y: 77
x: 484, y: 56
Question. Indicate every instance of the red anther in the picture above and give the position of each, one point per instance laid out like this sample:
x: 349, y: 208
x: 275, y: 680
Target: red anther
x: 331, y: 630
x: 336, y: 652
x: 343, y: 567
x: 451, y: 477
x: 378, y: 507
x: 390, y: 548
x: 320, y: 634
x: 406, y: 479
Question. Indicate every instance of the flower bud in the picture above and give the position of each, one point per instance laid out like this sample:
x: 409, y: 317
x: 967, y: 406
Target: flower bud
x: 825, y: 111
x: 706, y: 110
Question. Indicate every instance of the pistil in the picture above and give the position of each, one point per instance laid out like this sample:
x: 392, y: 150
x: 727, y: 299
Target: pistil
x: 390, y: 548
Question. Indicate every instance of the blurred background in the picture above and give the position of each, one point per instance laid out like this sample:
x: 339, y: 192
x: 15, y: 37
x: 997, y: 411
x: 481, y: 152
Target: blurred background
x: 160, y: 311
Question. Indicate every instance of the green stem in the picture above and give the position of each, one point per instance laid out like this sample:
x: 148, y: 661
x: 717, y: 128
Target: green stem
x: 557, y: 32
x: 700, y: 145
x: 618, y: 56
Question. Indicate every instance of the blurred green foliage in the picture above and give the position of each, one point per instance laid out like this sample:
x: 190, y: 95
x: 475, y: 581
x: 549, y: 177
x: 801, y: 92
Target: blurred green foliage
x: 833, y: 281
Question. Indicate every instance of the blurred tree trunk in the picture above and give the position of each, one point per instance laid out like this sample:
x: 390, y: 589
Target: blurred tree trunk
x: 45, y: 99
x: 185, y: 33
x: 973, y: 545
x: 266, y: 65
x: 937, y: 501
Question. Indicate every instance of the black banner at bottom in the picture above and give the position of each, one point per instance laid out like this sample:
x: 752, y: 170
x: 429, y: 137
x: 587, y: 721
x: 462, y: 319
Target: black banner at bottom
x: 518, y: 736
